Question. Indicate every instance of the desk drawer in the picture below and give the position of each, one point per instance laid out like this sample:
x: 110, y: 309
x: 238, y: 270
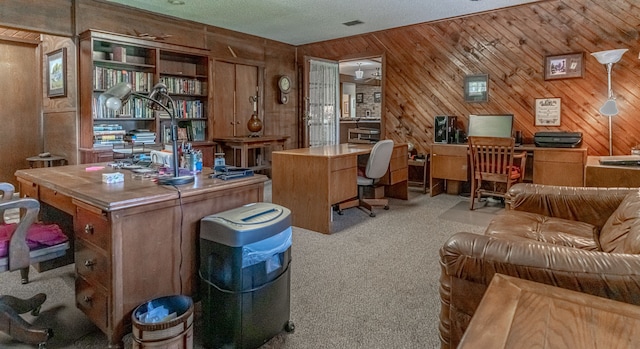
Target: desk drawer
x: 559, y: 156
x: 91, y: 264
x: 93, y: 302
x: 93, y: 228
x: 57, y: 200
x: 28, y: 189
x: 341, y: 163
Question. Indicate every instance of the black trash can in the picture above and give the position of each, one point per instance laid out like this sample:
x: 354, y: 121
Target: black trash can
x: 245, y: 275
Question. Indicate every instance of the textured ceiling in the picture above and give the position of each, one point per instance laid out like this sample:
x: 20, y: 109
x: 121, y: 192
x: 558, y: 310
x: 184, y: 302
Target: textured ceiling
x: 299, y: 22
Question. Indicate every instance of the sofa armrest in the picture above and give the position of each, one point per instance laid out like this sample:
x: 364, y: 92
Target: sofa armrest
x: 469, y: 262
x: 585, y: 204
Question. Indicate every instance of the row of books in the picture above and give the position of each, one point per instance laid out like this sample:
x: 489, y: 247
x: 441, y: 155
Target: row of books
x: 177, y: 85
x: 106, y: 77
x: 134, y: 108
x: 188, y: 109
x: 191, y: 131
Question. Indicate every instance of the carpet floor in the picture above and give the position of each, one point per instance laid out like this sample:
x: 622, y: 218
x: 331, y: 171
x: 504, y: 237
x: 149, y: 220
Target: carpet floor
x: 371, y: 284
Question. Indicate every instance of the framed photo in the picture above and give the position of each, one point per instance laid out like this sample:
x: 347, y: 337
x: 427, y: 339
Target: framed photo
x: 476, y: 88
x: 57, y: 73
x: 547, y: 111
x: 359, y: 97
x: 566, y: 66
x: 376, y: 97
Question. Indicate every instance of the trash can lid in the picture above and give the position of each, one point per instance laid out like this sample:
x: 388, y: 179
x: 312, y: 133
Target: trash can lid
x: 246, y: 224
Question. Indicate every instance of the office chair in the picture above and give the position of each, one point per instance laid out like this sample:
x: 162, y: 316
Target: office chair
x: 377, y: 166
x: 22, y: 244
x: 492, y: 163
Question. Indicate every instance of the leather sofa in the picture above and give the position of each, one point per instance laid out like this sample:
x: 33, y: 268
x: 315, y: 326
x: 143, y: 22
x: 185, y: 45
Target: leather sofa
x: 578, y: 238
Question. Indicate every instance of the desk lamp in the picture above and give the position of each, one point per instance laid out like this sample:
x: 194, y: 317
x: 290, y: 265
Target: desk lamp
x: 609, y: 108
x: 158, y: 99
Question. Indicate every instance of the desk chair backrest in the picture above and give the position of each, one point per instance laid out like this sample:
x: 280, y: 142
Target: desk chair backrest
x: 379, y: 158
x: 492, y: 160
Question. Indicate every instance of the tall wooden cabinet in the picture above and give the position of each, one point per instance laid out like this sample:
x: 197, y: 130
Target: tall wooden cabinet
x: 234, y: 84
x: 106, y: 59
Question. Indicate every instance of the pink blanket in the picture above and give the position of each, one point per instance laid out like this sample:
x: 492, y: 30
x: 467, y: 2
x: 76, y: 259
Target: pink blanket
x: 38, y: 236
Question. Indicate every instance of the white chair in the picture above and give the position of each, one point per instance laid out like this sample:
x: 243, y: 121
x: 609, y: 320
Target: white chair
x: 377, y: 166
x: 23, y: 248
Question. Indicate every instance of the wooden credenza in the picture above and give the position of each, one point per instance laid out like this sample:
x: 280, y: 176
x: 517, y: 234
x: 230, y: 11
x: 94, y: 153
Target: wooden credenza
x: 134, y: 240
x: 551, y: 166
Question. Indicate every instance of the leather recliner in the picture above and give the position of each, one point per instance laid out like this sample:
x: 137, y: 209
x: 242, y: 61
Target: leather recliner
x: 577, y: 238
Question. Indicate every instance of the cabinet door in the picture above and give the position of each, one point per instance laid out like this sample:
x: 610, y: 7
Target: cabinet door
x: 246, y: 87
x: 234, y: 85
x: 224, y: 105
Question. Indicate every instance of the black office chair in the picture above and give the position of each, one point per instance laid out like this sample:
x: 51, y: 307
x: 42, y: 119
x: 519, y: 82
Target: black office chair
x: 24, y: 243
x: 377, y: 166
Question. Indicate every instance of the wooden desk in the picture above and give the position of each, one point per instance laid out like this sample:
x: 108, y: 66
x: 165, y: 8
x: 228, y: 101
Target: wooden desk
x: 597, y: 175
x: 244, y: 144
x: 309, y: 181
x: 134, y: 240
x: 551, y: 166
x: 516, y: 313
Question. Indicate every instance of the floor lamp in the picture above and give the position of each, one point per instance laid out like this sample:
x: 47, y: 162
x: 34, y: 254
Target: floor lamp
x: 118, y: 95
x: 609, y: 108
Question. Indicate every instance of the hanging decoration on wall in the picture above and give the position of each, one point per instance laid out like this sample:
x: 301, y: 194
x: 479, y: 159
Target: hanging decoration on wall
x: 254, y: 124
x: 476, y: 88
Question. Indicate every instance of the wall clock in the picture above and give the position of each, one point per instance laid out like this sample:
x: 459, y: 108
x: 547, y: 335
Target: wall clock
x: 284, y: 84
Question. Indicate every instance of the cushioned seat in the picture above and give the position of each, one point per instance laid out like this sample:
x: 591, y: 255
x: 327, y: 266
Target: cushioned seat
x: 22, y: 244
x: 582, y: 239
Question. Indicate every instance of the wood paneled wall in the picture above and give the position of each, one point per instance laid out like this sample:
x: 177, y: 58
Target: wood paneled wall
x: 426, y: 65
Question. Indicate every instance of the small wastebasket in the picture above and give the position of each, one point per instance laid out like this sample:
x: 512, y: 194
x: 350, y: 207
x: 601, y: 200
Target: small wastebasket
x: 245, y: 272
x: 175, y: 333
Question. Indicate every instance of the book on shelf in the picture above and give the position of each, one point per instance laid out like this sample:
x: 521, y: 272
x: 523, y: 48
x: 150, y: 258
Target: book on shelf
x: 194, y: 129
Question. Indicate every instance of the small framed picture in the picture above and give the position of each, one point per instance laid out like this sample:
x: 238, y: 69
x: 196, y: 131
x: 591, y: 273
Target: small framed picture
x: 57, y: 73
x: 566, y: 66
x: 548, y: 111
x: 376, y: 97
x: 359, y: 97
x: 476, y: 88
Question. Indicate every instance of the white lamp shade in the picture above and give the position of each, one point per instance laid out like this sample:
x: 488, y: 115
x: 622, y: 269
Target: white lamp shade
x: 113, y: 103
x: 359, y: 74
x: 609, y: 108
x: 610, y: 56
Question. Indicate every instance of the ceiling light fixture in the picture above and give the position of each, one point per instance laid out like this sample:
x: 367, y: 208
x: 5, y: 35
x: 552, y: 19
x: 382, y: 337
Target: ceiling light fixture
x: 609, y: 108
x: 359, y: 72
x: 176, y: 2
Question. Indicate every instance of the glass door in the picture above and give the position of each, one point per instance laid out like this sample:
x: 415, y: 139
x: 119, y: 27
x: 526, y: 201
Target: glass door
x: 321, y: 102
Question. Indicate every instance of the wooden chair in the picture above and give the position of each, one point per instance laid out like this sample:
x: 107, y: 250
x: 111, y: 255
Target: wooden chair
x: 492, y: 164
x: 377, y: 166
x: 26, y: 245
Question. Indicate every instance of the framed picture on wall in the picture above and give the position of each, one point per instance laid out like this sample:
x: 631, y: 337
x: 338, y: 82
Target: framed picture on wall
x: 376, y: 97
x: 547, y: 111
x: 57, y: 73
x: 476, y: 88
x: 566, y: 66
x: 359, y: 97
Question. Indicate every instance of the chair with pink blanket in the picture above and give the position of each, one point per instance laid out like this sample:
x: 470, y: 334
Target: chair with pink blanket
x: 22, y: 244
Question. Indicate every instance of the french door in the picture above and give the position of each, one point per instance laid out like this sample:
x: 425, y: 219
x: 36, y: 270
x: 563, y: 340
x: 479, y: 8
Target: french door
x: 321, y: 96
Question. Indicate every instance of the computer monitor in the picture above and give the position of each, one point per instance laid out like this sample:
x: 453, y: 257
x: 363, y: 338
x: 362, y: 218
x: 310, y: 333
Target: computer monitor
x: 490, y: 125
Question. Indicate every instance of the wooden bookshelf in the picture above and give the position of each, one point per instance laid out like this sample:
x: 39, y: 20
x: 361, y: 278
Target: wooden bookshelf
x: 107, y: 59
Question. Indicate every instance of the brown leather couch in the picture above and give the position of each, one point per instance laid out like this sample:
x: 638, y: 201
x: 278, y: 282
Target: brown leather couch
x: 578, y: 238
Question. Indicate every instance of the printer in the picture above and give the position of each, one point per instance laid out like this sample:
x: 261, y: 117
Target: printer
x: 559, y: 139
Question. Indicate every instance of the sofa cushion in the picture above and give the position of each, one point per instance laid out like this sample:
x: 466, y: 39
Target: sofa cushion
x: 621, y: 232
x: 519, y: 225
